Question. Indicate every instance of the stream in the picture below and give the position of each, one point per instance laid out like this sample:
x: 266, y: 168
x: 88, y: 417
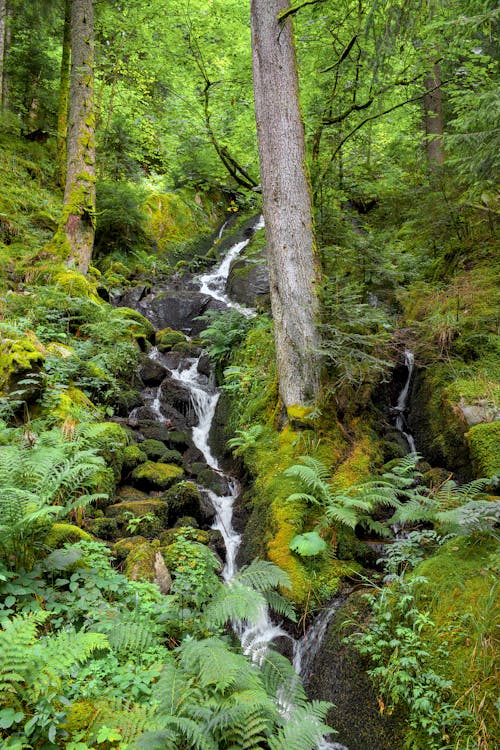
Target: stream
x: 255, y: 638
x: 193, y: 404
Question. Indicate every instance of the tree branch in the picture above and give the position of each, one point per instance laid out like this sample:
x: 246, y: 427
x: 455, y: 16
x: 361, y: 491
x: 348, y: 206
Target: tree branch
x: 291, y: 11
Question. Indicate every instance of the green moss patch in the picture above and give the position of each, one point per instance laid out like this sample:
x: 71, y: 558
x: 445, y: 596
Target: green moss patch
x: 484, y: 445
x: 63, y: 533
x: 156, y: 475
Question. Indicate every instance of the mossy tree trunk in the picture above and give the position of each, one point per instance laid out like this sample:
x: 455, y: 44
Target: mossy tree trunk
x: 434, y: 117
x: 293, y: 265
x: 62, y: 113
x: 79, y: 195
x: 4, y: 46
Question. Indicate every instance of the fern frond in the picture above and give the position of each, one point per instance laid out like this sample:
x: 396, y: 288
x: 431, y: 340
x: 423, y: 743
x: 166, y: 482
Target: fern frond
x: 303, y: 730
x: 280, y: 605
x: 234, y: 602
x: 213, y: 663
x: 262, y: 575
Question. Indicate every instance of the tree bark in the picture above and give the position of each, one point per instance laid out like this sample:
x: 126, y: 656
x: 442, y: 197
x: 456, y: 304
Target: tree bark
x: 433, y: 117
x: 79, y: 194
x: 62, y: 110
x: 291, y: 252
x: 3, y: 19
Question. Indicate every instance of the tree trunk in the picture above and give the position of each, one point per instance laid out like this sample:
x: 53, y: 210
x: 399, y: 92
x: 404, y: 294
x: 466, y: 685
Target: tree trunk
x: 79, y: 195
x: 3, y: 19
x: 62, y: 112
x: 434, y: 117
x: 5, y: 43
x: 291, y: 252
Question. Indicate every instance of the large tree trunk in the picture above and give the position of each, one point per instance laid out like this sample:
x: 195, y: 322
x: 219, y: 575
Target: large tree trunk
x: 62, y: 111
x: 293, y: 264
x: 79, y: 195
x: 434, y: 117
x: 3, y: 20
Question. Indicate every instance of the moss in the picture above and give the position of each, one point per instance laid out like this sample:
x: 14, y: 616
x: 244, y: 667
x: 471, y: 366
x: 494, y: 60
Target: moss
x: 157, y: 475
x: 168, y: 538
x: 131, y: 494
x: 111, y: 442
x: 154, y: 449
x: 124, y: 546
x: 139, y: 508
x: 103, y: 528
x: 62, y: 533
x: 173, y: 218
x: 140, y: 326
x: 301, y: 416
x: 461, y: 599
x: 18, y: 356
x: 69, y: 403
x: 167, y: 338
x: 484, y: 445
x: 363, y: 457
x: 140, y: 562
x: 75, y: 284
x: 133, y: 455
x: 183, y: 499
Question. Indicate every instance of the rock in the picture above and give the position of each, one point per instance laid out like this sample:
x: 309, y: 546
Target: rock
x: 248, y: 281
x: 193, y: 456
x: 156, y: 510
x: 167, y: 338
x: 178, y: 309
x: 133, y: 455
x: 103, y: 528
x: 185, y: 499
x: 214, y: 481
x: 154, y: 449
x: 171, y: 457
x: 132, y: 296
x: 62, y: 533
x: 216, y: 543
x: 204, y: 367
x: 122, y: 547
x: 152, y: 372
x: 175, y: 395
x: 162, y: 578
x: 477, y: 413
x: 175, y: 439
x: 131, y: 494
x: 156, y: 476
x: 140, y: 563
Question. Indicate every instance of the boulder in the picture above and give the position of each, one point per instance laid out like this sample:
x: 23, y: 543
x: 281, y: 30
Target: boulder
x: 248, y: 281
x: 152, y: 372
x: 156, y: 476
x: 175, y: 395
x: 178, y: 309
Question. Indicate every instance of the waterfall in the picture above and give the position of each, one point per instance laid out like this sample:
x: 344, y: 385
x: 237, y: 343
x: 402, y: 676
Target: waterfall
x: 213, y: 283
x: 402, y: 403
x: 255, y: 638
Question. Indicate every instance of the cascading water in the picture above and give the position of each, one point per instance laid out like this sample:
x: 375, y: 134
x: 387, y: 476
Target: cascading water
x: 255, y: 638
x: 402, y: 404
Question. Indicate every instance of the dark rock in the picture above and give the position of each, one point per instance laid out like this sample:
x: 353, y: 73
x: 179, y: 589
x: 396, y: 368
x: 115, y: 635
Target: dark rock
x: 338, y: 675
x: 193, y: 456
x: 185, y: 499
x: 132, y: 296
x: 152, y: 372
x: 214, y: 481
x: 171, y: 457
x: 154, y: 449
x: 204, y: 365
x: 178, y: 309
x: 216, y: 543
x: 248, y: 281
x: 175, y: 395
x: 186, y: 521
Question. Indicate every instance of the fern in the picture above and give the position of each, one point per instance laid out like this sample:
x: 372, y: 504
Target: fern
x: 262, y: 575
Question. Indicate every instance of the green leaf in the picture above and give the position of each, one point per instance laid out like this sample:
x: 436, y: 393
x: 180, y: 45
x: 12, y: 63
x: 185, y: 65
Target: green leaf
x: 8, y: 717
x: 308, y: 544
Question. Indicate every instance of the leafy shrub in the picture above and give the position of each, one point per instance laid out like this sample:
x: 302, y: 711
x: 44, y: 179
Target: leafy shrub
x: 121, y: 221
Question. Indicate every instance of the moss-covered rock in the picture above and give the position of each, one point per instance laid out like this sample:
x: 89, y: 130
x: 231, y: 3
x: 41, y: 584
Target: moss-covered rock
x: 123, y: 546
x: 184, y: 499
x: 158, y: 509
x: 103, y: 528
x: 154, y: 449
x: 484, y: 446
x: 139, y: 327
x: 18, y: 356
x: 168, y: 537
x: 111, y: 440
x: 140, y: 562
x: 129, y: 494
x: 156, y: 475
x: 63, y: 533
x: 133, y: 455
x: 167, y: 338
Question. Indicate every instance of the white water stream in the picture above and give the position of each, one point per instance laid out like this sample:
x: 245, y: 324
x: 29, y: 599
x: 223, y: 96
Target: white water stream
x: 402, y: 403
x: 255, y: 638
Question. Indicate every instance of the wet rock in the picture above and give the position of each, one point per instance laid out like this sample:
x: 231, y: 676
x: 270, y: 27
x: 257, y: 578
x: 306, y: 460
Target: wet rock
x: 214, y: 481
x: 204, y: 365
x: 248, y: 281
x: 191, y: 457
x: 152, y: 372
x: 156, y: 476
x: 216, y: 543
x: 477, y: 413
x: 185, y: 499
x: 139, y: 415
x: 175, y: 395
x: 178, y: 309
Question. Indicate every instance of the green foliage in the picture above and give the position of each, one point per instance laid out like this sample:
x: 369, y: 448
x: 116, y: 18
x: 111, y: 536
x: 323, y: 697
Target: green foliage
x: 308, y: 544
x: 226, y: 330
x: 42, y: 479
